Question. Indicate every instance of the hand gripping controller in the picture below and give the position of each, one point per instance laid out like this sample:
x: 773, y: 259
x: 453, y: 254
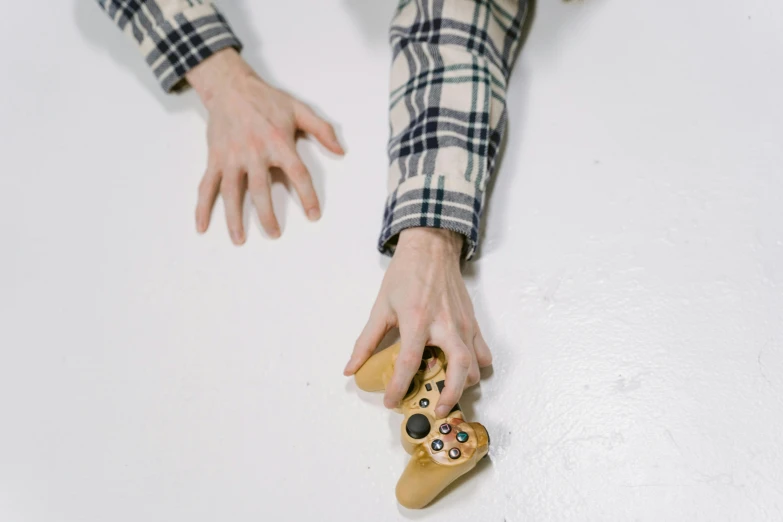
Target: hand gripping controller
x: 441, y: 449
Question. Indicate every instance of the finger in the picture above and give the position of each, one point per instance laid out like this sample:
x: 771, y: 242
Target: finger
x: 376, y: 328
x: 232, y: 189
x: 458, y: 362
x: 259, y: 185
x: 207, y: 193
x: 407, y: 364
x: 474, y: 374
x: 303, y: 184
x: 483, y: 355
x: 310, y: 122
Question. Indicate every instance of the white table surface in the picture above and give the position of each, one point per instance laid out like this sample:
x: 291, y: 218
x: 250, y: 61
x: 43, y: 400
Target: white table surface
x: 630, y: 281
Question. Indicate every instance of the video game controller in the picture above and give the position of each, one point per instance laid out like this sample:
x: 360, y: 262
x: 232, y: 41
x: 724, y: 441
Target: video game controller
x: 442, y: 449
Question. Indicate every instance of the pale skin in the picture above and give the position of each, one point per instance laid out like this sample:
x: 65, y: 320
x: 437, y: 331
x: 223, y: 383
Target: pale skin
x: 252, y: 128
x: 424, y: 295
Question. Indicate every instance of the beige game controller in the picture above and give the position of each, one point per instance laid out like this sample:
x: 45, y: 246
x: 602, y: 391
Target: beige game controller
x: 441, y: 449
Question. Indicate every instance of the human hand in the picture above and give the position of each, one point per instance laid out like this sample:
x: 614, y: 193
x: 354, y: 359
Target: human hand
x: 423, y: 294
x: 252, y: 127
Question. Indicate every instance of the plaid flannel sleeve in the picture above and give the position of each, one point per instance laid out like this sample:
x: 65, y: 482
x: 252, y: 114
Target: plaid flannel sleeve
x: 173, y: 35
x: 450, y: 63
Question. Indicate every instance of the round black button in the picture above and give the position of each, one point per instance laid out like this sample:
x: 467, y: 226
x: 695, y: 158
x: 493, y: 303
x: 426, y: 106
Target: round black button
x: 454, y: 453
x: 445, y: 428
x: 437, y: 445
x: 417, y: 426
x: 424, y: 403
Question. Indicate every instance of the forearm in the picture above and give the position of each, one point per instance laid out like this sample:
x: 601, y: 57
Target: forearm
x: 174, y: 36
x: 451, y: 62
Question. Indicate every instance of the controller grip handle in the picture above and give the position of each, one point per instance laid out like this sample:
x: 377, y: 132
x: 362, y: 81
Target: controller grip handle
x: 424, y: 479
x: 377, y: 370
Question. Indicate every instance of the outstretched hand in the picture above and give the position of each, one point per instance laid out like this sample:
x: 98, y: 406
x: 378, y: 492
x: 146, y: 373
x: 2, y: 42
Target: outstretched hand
x: 424, y: 295
x: 252, y: 128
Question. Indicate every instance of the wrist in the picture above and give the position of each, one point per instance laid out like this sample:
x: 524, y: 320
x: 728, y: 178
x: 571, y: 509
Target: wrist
x: 438, y: 241
x: 210, y: 77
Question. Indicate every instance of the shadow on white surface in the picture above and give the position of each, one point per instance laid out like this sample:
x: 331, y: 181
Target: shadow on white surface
x: 100, y: 32
x: 372, y: 22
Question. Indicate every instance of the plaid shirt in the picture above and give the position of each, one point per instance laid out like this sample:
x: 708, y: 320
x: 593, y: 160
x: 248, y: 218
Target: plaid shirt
x: 447, y: 112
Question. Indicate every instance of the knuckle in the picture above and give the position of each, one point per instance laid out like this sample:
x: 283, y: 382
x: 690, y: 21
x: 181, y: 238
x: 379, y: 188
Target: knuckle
x: 229, y: 188
x: 473, y: 376
x: 257, y: 142
x: 215, y: 157
x: 303, y: 109
x: 232, y: 151
x: 461, y: 324
x: 275, y: 135
x: 464, y: 328
x: 461, y: 359
x: 228, y: 182
x: 232, y: 170
x: 257, y: 178
x: 299, y: 175
x: 409, y: 360
x: 380, y: 318
x: 255, y: 183
x: 449, y: 397
x: 416, y: 317
x: 205, y: 187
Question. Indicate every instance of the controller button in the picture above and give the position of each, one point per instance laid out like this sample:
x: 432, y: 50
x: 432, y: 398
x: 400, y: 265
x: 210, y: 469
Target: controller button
x: 417, y: 426
x: 424, y: 403
x: 462, y: 436
x: 454, y: 453
x: 428, y: 386
x: 445, y: 428
x: 437, y: 445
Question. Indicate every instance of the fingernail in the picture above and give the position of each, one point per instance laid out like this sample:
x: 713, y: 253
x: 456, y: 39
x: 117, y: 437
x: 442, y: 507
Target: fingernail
x: 274, y: 234
x: 236, y: 236
x: 347, y: 367
x: 313, y: 214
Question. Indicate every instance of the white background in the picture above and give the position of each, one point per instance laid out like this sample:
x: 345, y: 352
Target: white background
x: 630, y: 281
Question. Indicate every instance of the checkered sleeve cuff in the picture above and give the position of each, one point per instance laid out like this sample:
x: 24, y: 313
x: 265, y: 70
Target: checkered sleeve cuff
x: 447, y: 112
x: 433, y: 201
x: 173, y: 35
